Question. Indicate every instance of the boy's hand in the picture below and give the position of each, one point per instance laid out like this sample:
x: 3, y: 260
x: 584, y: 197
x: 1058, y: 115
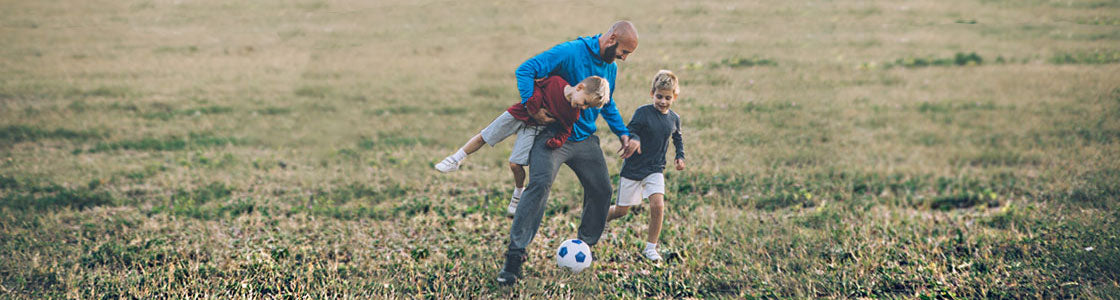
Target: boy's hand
x: 680, y: 164
x: 629, y: 147
x: 542, y: 116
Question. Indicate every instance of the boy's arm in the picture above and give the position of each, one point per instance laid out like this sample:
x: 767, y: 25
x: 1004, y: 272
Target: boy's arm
x: 569, y: 125
x: 537, y: 67
x: 560, y: 138
x: 637, y: 124
x: 678, y: 140
x: 565, y: 132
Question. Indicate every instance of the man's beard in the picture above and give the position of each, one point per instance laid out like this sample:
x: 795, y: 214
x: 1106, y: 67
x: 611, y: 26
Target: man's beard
x: 608, y: 54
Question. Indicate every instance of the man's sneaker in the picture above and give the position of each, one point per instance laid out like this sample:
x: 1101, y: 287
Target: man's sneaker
x: 512, y: 208
x: 652, y: 254
x: 447, y: 165
x: 512, y: 269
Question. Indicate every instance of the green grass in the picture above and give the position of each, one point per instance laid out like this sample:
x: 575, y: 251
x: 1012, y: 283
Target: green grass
x: 898, y: 149
x: 172, y: 143
x: 13, y: 134
x: 1110, y: 56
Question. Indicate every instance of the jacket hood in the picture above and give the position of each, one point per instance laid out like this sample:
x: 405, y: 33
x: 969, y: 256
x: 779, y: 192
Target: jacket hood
x: 592, y: 43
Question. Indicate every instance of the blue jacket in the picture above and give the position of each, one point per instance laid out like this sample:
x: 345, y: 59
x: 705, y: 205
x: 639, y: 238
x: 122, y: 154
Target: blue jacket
x: 575, y: 60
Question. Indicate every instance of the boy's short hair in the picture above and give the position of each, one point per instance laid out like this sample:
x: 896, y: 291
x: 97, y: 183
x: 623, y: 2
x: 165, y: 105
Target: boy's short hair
x: 665, y: 80
x: 598, y: 91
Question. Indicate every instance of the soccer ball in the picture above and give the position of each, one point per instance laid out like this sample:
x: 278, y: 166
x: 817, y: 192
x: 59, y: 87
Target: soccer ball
x: 573, y: 255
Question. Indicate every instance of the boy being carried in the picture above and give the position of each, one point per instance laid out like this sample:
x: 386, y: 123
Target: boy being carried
x: 641, y: 176
x: 553, y: 101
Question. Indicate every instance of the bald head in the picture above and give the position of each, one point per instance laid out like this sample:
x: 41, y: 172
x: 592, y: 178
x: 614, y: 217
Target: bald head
x: 624, y: 30
x: 619, y: 41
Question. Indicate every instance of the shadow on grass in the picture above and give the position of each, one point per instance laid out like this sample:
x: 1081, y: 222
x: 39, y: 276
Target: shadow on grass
x: 13, y: 134
x: 29, y: 196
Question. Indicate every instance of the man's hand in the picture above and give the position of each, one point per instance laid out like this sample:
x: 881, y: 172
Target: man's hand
x: 542, y: 116
x: 680, y: 164
x: 629, y: 147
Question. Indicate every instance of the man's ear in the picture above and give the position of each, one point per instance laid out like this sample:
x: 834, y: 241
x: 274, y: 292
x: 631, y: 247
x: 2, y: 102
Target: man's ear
x: 580, y: 87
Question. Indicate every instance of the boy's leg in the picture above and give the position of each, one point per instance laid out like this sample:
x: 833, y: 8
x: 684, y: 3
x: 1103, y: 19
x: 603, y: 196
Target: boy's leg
x: 518, y: 175
x: 518, y: 187
x: 473, y: 144
x: 616, y: 212
x: 502, y: 127
x: 653, y: 187
x: 518, y: 158
x: 451, y: 163
x: 629, y: 194
x: 591, y: 169
x: 656, y: 214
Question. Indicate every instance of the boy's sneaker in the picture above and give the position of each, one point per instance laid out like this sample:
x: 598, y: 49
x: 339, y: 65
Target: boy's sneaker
x: 652, y: 254
x: 512, y: 208
x: 512, y: 269
x: 447, y: 165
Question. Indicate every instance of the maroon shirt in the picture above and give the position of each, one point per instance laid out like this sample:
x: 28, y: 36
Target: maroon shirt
x: 549, y: 94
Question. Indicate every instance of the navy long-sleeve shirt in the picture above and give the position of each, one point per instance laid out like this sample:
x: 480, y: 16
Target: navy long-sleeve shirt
x: 653, y: 129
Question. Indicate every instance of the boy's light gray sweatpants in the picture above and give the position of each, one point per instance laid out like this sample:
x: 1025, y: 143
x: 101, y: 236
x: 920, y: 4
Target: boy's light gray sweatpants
x: 585, y: 158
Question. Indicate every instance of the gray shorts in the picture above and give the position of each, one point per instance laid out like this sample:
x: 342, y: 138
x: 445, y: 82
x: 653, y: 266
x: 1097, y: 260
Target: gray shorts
x: 506, y: 125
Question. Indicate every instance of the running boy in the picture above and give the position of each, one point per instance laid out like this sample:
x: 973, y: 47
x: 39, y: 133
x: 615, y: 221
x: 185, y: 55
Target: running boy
x: 553, y: 101
x: 641, y: 176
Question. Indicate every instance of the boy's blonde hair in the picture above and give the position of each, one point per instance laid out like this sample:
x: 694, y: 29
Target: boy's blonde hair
x: 598, y: 91
x: 665, y: 80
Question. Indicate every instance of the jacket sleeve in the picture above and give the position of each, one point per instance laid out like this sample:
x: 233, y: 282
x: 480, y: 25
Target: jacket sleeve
x: 678, y: 140
x: 539, y: 67
x: 534, y: 103
x: 610, y: 111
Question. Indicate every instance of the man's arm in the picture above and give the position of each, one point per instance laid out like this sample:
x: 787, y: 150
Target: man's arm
x: 537, y: 67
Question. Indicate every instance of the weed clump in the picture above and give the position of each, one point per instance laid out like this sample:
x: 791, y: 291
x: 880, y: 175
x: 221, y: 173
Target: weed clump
x: 313, y: 91
x: 957, y: 201
x: 168, y: 114
x: 740, y: 62
x: 959, y: 59
x: 783, y: 199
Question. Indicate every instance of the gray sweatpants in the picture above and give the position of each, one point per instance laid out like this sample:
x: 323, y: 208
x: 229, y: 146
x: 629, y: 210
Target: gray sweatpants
x: 585, y: 158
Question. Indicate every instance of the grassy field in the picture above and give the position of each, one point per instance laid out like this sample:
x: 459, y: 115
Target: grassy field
x: 894, y: 149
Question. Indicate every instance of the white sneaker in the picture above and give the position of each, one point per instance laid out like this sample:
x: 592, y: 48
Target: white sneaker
x: 447, y: 165
x: 652, y: 254
x: 512, y: 208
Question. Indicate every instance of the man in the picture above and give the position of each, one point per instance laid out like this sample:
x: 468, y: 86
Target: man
x: 573, y: 60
